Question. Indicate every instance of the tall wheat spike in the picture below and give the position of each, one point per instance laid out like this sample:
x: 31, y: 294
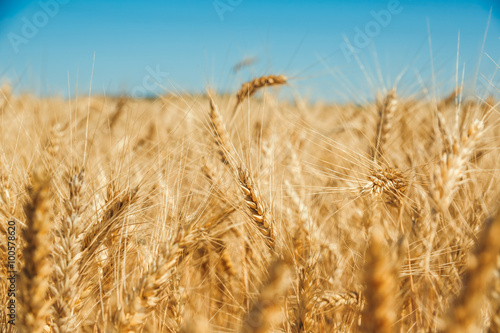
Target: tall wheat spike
x: 266, y: 312
x: 256, y: 206
x: 34, y: 279
x: 465, y: 313
x: 380, y: 314
x: 386, y: 111
x: 452, y: 164
x: 221, y: 135
x: 149, y: 291
x: 67, y: 256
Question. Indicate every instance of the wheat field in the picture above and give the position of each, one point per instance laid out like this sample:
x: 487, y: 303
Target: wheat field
x: 248, y: 213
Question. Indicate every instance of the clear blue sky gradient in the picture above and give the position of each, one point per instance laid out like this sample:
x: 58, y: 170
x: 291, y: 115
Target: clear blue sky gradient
x: 195, y: 44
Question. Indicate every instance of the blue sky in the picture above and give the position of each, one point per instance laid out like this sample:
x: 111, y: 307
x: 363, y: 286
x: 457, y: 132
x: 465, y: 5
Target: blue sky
x: 148, y: 47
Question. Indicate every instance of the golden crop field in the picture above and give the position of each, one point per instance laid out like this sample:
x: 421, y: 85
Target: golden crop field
x: 248, y: 213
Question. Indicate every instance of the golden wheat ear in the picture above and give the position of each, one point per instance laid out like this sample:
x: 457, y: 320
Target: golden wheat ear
x: 466, y: 310
x: 119, y: 108
x: 452, y: 165
x: 151, y: 290
x: 386, y: 111
x: 389, y: 183
x: 266, y: 312
x: 220, y: 133
x: 35, y: 275
x: 67, y: 260
x: 380, y: 278
x: 252, y: 197
x: 249, y: 88
x: 256, y: 206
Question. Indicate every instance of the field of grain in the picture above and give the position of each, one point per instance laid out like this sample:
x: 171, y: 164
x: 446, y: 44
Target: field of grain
x: 247, y: 213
